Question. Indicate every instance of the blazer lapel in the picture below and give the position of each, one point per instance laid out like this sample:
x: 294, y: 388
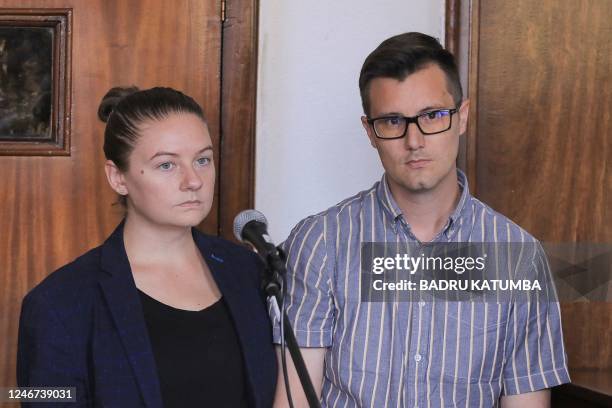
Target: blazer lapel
x: 121, y: 295
x: 220, y: 265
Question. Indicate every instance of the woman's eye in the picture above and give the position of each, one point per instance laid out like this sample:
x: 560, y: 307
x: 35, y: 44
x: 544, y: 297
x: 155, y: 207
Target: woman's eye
x: 203, y: 161
x: 166, y: 166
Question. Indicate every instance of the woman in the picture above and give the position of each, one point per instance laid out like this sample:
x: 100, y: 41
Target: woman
x: 160, y: 314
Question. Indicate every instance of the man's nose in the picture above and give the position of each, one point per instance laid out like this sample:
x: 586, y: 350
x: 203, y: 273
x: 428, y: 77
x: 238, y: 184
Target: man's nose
x: 414, y: 139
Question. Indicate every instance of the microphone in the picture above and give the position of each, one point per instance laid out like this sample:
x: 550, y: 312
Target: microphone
x: 251, y: 226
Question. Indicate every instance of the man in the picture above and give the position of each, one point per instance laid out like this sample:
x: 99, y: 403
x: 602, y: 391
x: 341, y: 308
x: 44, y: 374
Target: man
x: 409, y: 354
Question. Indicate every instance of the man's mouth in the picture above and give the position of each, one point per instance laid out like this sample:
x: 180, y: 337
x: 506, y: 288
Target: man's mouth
x: 418, y: 163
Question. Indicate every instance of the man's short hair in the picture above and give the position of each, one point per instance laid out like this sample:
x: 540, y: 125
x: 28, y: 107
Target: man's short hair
x: 404, y: 54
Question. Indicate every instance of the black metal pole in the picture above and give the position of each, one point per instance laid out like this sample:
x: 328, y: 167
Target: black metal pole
x: 273, y: 285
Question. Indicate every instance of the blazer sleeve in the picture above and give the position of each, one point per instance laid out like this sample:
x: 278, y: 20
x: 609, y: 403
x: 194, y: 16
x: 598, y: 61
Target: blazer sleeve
x: 47, y: 354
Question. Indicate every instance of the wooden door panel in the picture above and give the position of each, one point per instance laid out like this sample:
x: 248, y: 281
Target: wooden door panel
x: 539, y: 135
x: 544, y: 115
x: 55, y: 208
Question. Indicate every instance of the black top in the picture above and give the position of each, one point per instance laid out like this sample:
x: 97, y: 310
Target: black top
x: 198, y: 357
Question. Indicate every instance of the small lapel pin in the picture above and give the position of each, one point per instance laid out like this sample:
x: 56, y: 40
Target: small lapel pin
x: 216, y: 258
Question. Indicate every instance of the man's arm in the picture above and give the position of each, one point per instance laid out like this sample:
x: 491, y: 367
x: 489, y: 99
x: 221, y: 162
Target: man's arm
x: 314, y: 358
x: 309, y: 306
x: 535, y: 356
x: 537, y: 399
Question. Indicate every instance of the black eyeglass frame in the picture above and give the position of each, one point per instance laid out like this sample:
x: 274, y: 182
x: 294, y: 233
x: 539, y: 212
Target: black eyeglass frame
x: 412, y: 119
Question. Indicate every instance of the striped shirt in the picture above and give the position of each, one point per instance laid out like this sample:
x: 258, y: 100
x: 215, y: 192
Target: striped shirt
x: 414, y: 354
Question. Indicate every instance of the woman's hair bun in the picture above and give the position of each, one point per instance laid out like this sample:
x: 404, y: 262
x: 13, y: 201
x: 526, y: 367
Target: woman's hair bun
x: 111, y: 99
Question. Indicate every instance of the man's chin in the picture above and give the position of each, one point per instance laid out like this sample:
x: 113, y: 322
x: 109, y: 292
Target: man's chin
x: 415, y: 183
x: 418, y: 186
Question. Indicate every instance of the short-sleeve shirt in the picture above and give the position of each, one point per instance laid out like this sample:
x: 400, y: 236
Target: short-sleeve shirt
x: 414, y: 354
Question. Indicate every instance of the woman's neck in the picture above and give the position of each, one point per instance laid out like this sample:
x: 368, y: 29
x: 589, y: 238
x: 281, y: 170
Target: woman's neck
x: 149, y: 243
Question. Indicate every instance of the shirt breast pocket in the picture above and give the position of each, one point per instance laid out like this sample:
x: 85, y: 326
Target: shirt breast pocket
x: 474, y: 343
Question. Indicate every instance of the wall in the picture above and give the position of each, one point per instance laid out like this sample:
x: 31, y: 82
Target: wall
x: 311, y: 149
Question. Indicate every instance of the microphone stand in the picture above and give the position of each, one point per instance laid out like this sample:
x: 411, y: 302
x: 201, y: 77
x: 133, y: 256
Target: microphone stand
x: 274, y: 286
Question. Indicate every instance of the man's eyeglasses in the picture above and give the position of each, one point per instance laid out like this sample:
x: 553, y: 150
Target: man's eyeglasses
x: 429, y: 123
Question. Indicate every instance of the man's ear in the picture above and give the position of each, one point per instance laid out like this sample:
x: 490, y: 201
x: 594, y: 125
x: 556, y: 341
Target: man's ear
x: 369, y: 130
x: 464, y: 112
x: 115, y: 178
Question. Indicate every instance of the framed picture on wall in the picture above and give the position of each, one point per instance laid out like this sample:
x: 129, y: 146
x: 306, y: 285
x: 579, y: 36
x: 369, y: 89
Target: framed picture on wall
x: 35, y: 82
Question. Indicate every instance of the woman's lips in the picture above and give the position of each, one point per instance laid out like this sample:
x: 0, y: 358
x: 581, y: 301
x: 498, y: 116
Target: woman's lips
x: 190, y: 204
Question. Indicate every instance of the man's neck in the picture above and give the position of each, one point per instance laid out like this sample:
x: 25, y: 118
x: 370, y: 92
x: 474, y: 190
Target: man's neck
x: 427, y: 212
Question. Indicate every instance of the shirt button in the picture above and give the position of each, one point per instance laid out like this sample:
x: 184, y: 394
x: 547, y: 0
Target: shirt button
x: 421, y: 303
x: 417, y: 357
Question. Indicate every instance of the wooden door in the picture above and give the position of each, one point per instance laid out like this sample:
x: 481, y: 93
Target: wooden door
x: 539, y: 76
x: 54, y: 208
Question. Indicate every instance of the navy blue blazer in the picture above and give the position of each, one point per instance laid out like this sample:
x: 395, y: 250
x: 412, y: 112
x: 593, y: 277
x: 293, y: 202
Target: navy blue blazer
x: 84, y: 327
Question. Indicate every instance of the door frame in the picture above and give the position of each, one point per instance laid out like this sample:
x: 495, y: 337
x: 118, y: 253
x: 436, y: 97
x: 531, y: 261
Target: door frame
x: 461, y: 39
x: 239, y: 40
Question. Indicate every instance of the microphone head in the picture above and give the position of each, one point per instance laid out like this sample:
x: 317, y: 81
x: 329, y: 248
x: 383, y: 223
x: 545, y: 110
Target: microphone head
x: 243, y: 218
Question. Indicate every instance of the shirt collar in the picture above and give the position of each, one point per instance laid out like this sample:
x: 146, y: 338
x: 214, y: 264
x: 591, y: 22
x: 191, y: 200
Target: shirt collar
x: 464, y: 200
x: 385, y: 198
x: 383, y: 193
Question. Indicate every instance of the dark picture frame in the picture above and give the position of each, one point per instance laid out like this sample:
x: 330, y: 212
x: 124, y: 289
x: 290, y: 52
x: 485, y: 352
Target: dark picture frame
x: 35, y: 87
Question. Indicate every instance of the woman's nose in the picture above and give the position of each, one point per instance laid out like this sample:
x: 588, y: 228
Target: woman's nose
x: 191, y: 180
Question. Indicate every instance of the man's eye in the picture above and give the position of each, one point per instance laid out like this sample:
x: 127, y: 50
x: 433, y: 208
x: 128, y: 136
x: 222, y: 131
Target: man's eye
x: 434, y: 115
x: 393, y: 121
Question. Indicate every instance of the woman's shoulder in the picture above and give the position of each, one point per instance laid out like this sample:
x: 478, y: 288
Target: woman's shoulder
x: 236, y: 258
x: 71, y: 284
x: 222, y: 245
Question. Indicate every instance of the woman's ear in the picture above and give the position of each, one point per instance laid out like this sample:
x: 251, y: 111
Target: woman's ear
x: 115, y: 178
